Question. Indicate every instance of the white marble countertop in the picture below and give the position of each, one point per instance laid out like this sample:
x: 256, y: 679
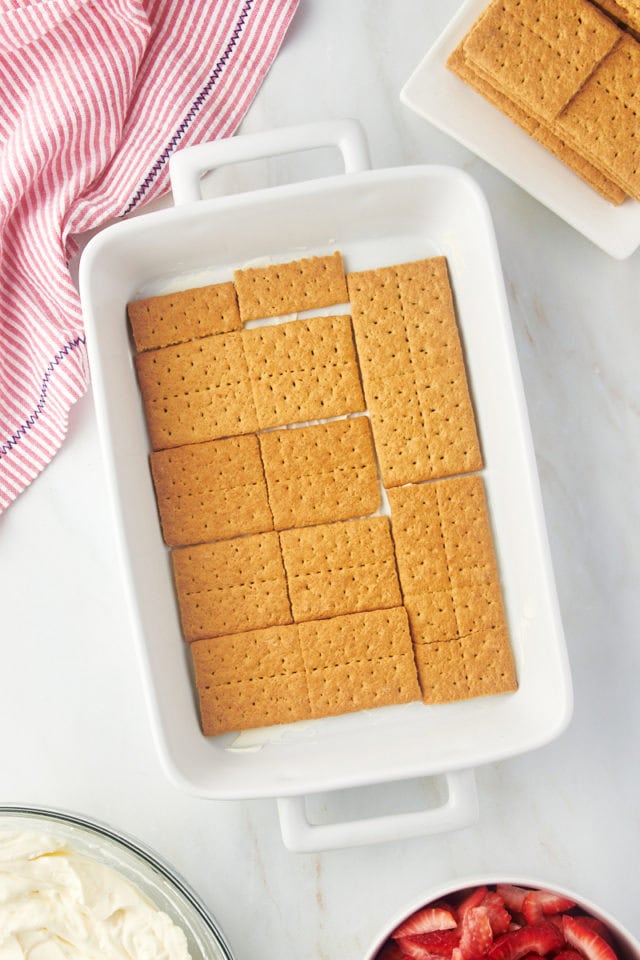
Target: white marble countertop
x: 75, y: 730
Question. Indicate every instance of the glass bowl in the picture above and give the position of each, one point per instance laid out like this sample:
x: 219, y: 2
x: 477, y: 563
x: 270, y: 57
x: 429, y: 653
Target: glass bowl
x: 156, y: 879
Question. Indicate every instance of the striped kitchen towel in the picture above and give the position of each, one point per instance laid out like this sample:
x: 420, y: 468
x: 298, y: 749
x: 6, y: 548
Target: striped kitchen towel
x: 95, y: 97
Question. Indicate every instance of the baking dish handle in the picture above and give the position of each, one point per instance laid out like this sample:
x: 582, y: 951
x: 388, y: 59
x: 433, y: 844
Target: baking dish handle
x: 187, y: 167
x: 459, y: 810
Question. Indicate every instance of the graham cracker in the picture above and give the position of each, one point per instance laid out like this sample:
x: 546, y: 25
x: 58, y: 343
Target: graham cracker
x: 544, y: 134
x: 413, y: 372
x: 626, y: 14
x: 251, y: 679
x: 196, y: 391
x: 610, y: 99
x: 479, y: 665
x: 303, y: 370
x: 183, y: 315
x: 320, y: 473
x: 540, y: 53
x: 211, y: 491
x: 446, y: 561
x: 358, y: 662
x: 339, y: 568
x: 290, y: 287
x: 231, y: 586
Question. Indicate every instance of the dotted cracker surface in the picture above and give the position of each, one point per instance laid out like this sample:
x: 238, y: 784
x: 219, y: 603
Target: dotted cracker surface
x: 604, y: 118
x: 320, y: 473
x: 359, y: 661
x: 413, y: 371
x: 340, y: 568
x: 184, y: 315
x: 303, y: 370
x: 211, y: 491
x: 290, y: 287
x: 196, y: 391
x: 231, y: 586
x: 540, y: 52
x: 250, y: 680
x: 543, y: 133
x: 475, y: 666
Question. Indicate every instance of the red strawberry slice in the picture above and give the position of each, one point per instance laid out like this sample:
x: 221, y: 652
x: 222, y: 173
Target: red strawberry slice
x: 411, y: 947
x: 585, y: 940
x: 476, y: 936
x: 552, y: 902
x: 473, y: 899
x: 532, y: 908
x: 598, y: 926
x: 542, y: 938
x: 425, y: 921
x: 499, y: 916
x: 513, y: 896
x: 567, y: 954
x: 439, y: 943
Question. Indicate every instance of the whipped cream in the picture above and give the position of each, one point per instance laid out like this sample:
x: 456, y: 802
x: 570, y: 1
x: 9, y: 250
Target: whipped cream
x: 56, y: 904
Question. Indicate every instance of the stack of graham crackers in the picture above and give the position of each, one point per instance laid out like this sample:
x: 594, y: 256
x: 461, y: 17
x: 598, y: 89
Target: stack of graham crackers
x: 300, y: 598
x: 568, y: 73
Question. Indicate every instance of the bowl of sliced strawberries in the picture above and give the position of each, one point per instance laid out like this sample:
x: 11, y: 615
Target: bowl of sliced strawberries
x: 505, y: 920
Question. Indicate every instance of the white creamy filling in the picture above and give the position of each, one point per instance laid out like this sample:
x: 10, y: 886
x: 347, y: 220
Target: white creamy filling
x: 56, y: 904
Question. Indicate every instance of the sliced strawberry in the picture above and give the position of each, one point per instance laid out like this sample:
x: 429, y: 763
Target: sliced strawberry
x: 499, y: 916
x: 585, y: 940
x: 390, y: 951
x: 476, y: 936
x: 470, y: 900
x: 567, y: 954
x: 425, y: 921
x: 457, y: 954
x: 513, y: 896
x: 597, y: 925
x: 410, y: 947
x: 532, y: 908
x: 542, y: 938
x: 552, y: 902
x: 439, y: 943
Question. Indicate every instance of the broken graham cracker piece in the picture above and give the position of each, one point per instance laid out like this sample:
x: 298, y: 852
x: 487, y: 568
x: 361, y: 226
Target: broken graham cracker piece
x: 479, y: 665
x: 290, y: 287
x: 446, y: 560
x: 541, y: 52
x: 250, y: 680
x: 320, y: 473
x: 540, y: 132
x: 358, y: 661
x: 610, y: 101
x: 339, y: 568
x: 196, y: 391
x: 211, y: 491
x: 231, y: 586
x: 303, y: 370
x: 184, y: 315
x: 413, y: 371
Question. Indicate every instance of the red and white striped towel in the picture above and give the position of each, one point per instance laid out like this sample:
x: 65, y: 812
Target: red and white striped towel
x: 95, y: 97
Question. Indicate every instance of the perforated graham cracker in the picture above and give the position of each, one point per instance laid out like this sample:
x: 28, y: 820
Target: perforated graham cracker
x: 544, y: 134
x: 211, y: 491
x: 184, y: 315
x: 446, y: 560
x: 231, y: 586
x: 359, y: 661
x: 339, y: 568
x: 196, y: 391
x: 320, y: 473
x: 303, y: 370
x: 479, y: 665
x: 610, y: 99
x: 290, y: 287
x: 540, y: 52
x: 251, y: 679
x: 413, y: 372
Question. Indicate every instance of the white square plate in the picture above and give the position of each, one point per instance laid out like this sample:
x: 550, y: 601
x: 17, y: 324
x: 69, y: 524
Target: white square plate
x: 449, y: 104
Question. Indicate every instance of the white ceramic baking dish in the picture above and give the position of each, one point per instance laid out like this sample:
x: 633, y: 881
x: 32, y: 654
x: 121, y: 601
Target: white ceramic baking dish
x: 374, y: 218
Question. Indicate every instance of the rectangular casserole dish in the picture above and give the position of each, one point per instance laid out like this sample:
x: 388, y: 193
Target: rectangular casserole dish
x: 375, y: 218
